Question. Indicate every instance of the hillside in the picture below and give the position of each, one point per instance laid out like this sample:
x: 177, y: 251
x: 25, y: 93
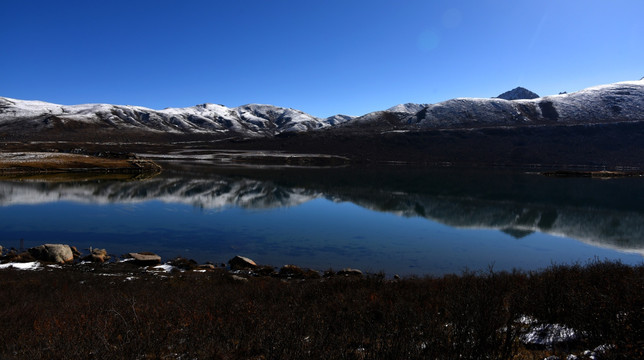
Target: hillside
x: 598, y: 126
x: 246, y: 121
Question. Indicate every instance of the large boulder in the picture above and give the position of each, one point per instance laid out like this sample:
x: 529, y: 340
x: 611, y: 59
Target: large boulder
x: 145, y: 258
x: 183, y: 263
x: 241, y: 263
x: 97, y: 255
x: 57, y: 253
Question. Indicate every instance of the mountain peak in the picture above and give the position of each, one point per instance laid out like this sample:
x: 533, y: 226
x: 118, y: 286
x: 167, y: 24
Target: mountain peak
x: 407, y: 108
x: 518, y: 93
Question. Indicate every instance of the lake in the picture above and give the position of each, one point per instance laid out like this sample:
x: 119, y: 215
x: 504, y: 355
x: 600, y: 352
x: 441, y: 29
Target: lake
x: 400, y: 220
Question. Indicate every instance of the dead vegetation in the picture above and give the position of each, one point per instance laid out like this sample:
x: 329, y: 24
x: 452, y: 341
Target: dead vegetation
x: 49, y: 163
x: 69, y: 314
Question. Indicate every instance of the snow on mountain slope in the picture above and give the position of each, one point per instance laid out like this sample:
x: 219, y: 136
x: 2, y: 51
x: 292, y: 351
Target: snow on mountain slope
x: 270, y: 117
x: 339, y: 119
x: 250, y: 120
x: 409, y: 108
x: 617, y: 102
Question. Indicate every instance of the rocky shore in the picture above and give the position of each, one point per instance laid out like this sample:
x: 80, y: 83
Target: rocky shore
x: 100, y: 261
x: 99, y: 305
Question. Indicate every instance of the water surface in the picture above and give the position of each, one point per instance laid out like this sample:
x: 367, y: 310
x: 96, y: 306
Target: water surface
x: 397, y: 220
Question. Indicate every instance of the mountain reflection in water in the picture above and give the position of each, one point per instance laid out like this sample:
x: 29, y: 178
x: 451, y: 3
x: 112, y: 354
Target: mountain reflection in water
x: 605, y: 213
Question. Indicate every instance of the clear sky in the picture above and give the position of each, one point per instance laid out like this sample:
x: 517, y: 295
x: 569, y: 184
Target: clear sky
x: 322, y: 57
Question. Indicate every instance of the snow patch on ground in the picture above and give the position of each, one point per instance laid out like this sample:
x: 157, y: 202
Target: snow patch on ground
x: 22, y: 266
x: 549, y: 334
x: 164, y: 267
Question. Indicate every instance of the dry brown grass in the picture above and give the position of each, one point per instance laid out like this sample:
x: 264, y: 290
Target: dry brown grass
x: 71, y: 314
x: 21, y: 163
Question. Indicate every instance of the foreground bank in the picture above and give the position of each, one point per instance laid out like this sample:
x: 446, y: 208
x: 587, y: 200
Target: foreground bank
x: 140, y: 311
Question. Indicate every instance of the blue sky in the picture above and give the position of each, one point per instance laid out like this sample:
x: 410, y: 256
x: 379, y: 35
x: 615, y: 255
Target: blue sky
x: 322, y: 57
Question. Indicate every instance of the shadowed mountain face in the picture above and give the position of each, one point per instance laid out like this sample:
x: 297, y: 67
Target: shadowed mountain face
x: 517, y: 94
x: 602, y: 213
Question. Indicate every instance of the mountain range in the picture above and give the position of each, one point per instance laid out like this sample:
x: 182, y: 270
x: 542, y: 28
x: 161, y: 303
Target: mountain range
x: 517, y: 114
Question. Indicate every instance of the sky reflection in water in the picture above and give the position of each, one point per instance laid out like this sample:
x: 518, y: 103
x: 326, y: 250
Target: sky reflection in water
x: 322, y: 229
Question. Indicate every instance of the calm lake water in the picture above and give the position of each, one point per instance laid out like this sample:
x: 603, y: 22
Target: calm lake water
x: 398, y: 220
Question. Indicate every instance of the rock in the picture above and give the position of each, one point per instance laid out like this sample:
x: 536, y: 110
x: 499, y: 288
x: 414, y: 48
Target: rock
x: 145, y: 258
x: 57, y: 253
x: 239, y: 278
x: 183, y: 263
x: 265, y: 270
x: 206, y: 267
x: 349, y: 272
x: 241, y: 263
x: 328, y: 273
x: 292, y: 271
x: 0, y: 250
x: 75, y: 252
x: 97, y: 255
x: 23, y: 257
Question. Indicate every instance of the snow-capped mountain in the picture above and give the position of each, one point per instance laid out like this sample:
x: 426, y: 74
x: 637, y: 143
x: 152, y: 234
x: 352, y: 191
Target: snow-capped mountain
x: 35, y: 120
x: 619, y: 102
x: 248, y: 120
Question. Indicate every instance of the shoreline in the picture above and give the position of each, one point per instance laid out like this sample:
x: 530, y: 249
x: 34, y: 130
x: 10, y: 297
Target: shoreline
x: 600, y: 174
x: 46, y: 163
x: 62, y: 256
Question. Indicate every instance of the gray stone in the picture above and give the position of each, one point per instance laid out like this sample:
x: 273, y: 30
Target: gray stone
x: 241, y: 263
x: 291, y: 270
x: 350, y: 272
x: 239, y: 278
x: 97, y: 255
x: 57, y: 253
x: 145, y: 258
x: 75, y: 251
x: 206, y: 267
